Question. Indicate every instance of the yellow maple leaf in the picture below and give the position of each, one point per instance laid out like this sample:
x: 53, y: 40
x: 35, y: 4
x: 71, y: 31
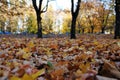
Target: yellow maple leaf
x: 48, y: 52
x: 84, y: 67
x: 96, y: 43
x: 27, y: 77
x: 42, y: 71
x: 30, y: 44
x: 26, y: 50
x: 15, y: 78
x: 26, y: 55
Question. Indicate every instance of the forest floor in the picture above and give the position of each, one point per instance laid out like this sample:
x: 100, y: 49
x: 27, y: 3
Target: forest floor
x: 89, y: 57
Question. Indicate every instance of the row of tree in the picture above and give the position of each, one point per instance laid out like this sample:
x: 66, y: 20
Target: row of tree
x: 89, y: 16
x: 102, y: 14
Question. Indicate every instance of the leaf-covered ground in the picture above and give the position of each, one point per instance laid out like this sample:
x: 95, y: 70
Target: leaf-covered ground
x: 89, y: 57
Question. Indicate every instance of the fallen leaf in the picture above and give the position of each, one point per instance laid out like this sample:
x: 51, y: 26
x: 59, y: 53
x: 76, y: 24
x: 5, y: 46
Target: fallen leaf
x: 40, y: 72
x: 15, y: 78
x: 27, y: 77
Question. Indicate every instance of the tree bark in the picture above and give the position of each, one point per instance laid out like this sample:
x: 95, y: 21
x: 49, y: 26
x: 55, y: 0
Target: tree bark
x: 83, y: 30
x: 103, y: 30
x: 73, y: 28
x: 39, y: 24
x: 92, y: 29
x: 74, y: 17
x: 117, y: 26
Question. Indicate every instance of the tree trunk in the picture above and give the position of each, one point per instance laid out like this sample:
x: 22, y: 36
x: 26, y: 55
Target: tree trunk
x: 117, y: 26
x: 73, y: 28
x: 92, y: 29
x: 83, y: 30
x: 74, y: 17
x: 103, y: 30
x: 39, y: 24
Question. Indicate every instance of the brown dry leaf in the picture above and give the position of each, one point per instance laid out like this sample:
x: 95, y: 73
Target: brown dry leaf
x: 57, y: 73
x: 54, y: 46
x: 110, y: 70
x: 60, y: 63
x: 20, y: 72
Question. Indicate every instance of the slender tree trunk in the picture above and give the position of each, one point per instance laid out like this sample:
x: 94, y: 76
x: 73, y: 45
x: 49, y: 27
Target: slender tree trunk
x: 39, y: 24
x: 117, y: 26
x: 74, y: 17
x: 92, y: 29
x: 83, y: 31
x: 73, y: 28
x: 103, y: 30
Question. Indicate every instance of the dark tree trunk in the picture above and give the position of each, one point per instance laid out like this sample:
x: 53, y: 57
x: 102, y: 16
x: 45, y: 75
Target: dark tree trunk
x: 103, y: 30
x: 74, y: 17
x: 83, y: 30
x: 117, y: 26
x: 92, y: 29
x: 39, y: 24
x: 73, y: 28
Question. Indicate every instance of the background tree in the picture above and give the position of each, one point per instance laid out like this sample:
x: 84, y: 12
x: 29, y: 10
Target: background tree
x: 66, y: 21
x: 117, y: 26
x: 104, y: 13
x: 31, y: 24
x: 11, y: 11
x: 80, y: 28
x: 39, y: 10
x: 110, y: 24
x: 48, y: 20
x: 74, y: 17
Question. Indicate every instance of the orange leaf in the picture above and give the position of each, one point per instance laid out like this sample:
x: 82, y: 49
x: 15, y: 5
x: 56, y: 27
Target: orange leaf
x: 54, y: 46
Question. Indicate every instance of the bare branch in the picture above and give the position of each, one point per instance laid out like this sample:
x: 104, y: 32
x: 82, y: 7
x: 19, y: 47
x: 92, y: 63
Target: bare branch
x: 40, y: 5
x: 34, y: 5
x: 72, y: 7
x: 45, y: 8
x: 78, y: 6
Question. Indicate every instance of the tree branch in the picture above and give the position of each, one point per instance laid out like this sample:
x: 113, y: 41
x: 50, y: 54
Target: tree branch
x: 40, y: 5
x: 45, y: 8
x: 78, y: 6
x: 34, y: 5
x: 72, y: 7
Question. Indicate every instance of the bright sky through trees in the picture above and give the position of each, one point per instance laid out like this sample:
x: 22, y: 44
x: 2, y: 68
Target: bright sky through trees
x: 60, y: 4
